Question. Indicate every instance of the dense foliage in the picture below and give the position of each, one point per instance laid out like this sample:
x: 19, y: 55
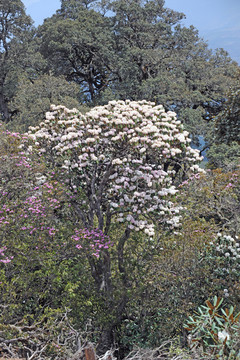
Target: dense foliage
x: 110, y: 231
x: 225, y: 149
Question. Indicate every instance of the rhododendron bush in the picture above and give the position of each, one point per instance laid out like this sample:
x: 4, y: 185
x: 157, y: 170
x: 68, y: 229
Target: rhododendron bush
x: 122, y: 158
x: 31, y: 205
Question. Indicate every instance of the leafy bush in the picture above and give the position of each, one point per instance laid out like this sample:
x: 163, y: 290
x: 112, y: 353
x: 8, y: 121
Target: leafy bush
x: 169, y: 281
x: 216, y: 330
x: 224, y: 156
x: 214, y: 196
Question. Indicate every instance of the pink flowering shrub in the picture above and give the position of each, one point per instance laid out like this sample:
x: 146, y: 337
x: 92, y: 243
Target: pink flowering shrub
x: 3, y: 258
x: 93, y: 240
x: 24, y: 207
x: 32, y: 205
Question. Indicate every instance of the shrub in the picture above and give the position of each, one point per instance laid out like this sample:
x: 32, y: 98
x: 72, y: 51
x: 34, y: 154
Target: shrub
x: 216, y: 330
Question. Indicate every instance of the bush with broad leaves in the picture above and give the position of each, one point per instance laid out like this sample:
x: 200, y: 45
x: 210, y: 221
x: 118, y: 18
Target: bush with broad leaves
x: 215, y: 330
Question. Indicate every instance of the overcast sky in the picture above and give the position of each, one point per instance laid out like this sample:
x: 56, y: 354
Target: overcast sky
x: 218, y: 21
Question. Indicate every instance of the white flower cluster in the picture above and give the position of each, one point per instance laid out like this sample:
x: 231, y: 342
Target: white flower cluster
x: 126, y: 144
x: 228, y: 249
x: 146, y: 189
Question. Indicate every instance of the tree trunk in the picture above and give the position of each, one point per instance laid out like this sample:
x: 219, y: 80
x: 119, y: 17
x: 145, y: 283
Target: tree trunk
x: 106, y: 340
x: 4, y: 108
x: 107, y: 337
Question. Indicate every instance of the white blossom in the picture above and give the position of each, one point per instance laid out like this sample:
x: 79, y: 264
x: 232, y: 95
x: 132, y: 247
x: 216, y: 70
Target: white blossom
x: 223, y: 335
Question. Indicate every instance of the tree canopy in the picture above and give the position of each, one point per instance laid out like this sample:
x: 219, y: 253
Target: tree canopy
x: 15, y: 27
x: 138, y: 50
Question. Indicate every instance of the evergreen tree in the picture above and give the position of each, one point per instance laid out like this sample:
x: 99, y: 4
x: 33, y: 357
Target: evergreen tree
x: 138, y: 50
x: 224, y: 139
x: 15, y: 29
x: 228, y: 121
x: 79, y: 41
x: 34, y: 98
x: 162, y: 61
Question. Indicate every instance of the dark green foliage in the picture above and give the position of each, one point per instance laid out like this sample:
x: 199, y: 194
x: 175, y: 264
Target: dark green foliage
x: 228, y: 121
x: 116, y: 50
x: 224, y: 138
x: 80, y: 43
x: 138, y: 51
x: 224, y: 156
x: 34, y: 98
x: 15, y: 34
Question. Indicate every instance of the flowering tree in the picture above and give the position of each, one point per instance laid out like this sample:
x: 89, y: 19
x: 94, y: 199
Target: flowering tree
x: 223, y: 256
x: 117, y: 164
x: 120, y: 162
x: 122, y: 159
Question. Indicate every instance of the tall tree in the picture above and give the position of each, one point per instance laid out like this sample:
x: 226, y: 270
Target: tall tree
x: 158, y: 59
x: 143, y: 43
x: 34, y: 97
x: 228, y: 121
x: 138, y: 50
x: 15, y: 26
x: 79, y: 41
x: 119, y: 162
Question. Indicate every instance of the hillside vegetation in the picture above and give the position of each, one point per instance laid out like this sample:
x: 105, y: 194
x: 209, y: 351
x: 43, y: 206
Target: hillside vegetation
x: 115, y: 243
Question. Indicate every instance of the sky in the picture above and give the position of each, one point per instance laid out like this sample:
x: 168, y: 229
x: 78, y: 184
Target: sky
x: 218, y: 21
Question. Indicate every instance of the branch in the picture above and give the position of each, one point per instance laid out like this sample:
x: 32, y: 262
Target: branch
x: 120, y: 249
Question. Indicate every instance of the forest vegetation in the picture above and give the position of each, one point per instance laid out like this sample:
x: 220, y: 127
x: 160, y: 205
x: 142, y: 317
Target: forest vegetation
x: 114, y: 233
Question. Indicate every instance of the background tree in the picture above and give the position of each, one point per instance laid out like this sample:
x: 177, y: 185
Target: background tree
x: 15, y: 31
x: 162, y: 61
x: 34, y: 97
x: 227, y: 122
x: 79, y: 41
x: 138, y: 50
x: 224, y: 156
x: 223, y: 137
x: 143, y: 42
